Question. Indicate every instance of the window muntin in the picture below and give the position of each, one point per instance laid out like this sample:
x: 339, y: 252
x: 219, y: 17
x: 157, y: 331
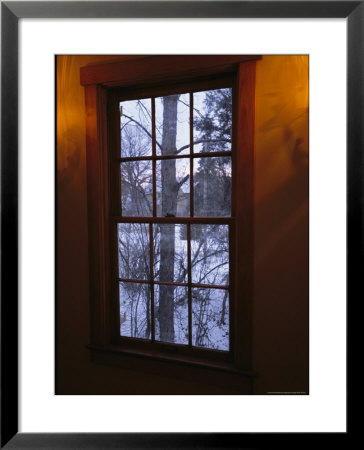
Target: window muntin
x: 175, y: 288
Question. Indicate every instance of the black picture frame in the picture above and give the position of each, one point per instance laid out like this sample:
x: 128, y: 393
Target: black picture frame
x: 11, y: 12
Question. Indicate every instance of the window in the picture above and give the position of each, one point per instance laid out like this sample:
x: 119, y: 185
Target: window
x: 173, y: 217
x: 169, y: 156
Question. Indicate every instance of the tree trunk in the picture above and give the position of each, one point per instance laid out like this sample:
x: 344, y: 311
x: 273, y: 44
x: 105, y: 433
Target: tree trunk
x: 169, y: 208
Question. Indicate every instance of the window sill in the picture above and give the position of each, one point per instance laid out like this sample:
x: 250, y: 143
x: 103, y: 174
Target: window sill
x: 212, y: 374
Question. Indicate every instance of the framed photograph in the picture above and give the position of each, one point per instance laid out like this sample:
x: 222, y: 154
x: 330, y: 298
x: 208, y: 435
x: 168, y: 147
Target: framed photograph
x: 186, y: 203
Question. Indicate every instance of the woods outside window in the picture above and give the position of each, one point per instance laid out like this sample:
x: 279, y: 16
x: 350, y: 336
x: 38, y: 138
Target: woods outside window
x: 170, y: 170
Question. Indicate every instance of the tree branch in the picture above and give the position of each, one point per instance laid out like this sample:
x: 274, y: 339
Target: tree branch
x: 143, y: 128
x: 195, y: 109
x: 201, y: 141
x: 182, y: 182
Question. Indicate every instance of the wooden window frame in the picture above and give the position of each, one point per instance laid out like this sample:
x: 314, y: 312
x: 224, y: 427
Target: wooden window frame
x: 104, y: 84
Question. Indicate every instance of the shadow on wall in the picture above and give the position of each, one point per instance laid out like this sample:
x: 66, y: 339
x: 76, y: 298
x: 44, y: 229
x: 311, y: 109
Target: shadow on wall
x: 287, y: 204
x: 281, y: 226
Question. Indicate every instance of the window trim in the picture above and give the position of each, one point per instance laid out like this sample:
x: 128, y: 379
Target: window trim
x: 99, y: 81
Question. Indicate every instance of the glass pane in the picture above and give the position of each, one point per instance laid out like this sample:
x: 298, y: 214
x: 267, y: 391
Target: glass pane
x: 136, y: 128
x: 173, y: 187
x: 171, y: 314
x: 210, y: 254
x: 135, y: 319
x: 133, y: 245
x: 212, y: 119
x: 212, y: 186
x: 136, y: 188
x: 210, y: 318
x: 170, y: 252
x: 172, y: 118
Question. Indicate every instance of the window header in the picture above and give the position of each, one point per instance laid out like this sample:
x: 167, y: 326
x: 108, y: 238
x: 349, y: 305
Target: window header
x: 161, y: 67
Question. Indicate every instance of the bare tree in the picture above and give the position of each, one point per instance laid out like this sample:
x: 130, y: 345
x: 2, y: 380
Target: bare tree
x: 169, y: 208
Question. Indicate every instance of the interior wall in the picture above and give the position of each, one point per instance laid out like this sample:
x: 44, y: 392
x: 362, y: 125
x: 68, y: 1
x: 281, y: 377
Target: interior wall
x: 280, y: 321
x: 280, y: 316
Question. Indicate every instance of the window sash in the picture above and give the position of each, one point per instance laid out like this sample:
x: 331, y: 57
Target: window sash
x: 189, y: 284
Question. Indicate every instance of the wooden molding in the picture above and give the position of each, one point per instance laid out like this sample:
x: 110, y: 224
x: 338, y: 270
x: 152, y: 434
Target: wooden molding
x: 97, y: 179
x: 159, y: 68
x: 244, y: 213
